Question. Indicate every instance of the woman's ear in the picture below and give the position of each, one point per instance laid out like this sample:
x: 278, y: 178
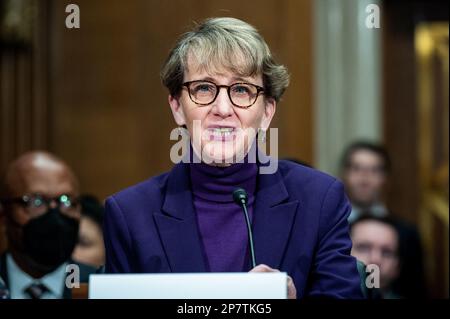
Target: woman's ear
x: 177, y: 110
x: 269, y: 112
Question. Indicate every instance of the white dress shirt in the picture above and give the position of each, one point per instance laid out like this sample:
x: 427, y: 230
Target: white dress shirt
x: 20, y: 280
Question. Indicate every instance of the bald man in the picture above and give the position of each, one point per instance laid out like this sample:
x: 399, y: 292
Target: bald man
x: 38, y: 199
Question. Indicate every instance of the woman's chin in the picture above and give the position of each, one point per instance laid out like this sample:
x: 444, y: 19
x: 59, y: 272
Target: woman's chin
x: 222, y: 153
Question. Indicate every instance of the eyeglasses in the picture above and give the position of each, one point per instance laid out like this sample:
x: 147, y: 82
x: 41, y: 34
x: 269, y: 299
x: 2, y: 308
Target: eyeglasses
x: 37, y: 204
x: 242, y: 95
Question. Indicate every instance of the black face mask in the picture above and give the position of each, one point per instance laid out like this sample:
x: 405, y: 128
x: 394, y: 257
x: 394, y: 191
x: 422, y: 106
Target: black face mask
x: 50, y: 239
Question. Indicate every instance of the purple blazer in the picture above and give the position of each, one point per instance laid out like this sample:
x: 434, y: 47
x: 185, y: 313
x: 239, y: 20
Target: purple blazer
x: 299, y: 226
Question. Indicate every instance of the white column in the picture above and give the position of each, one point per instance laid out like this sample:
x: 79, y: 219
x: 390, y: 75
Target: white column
x: 347, y: 79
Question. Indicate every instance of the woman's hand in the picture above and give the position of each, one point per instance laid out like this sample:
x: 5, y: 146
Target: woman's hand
x: 292, y: 292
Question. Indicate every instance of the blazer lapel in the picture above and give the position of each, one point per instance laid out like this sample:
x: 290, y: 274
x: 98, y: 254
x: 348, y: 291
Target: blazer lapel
x: 273, y: 219
x: 177, y: 224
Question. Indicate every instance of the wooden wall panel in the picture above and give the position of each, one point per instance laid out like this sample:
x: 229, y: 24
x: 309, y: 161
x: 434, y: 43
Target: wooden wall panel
x: 24, y: 112
x: 400, y: 118
x: 407, y: 134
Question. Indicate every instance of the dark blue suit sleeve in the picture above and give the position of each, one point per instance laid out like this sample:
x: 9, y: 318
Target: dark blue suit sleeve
x: 118, y: 250
x: 335, y: 273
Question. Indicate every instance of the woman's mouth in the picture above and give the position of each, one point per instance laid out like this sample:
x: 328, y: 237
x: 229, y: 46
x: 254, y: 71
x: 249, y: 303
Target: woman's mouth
x: 221, y: 133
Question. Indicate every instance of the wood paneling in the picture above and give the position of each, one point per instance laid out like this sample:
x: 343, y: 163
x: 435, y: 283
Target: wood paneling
x: 400, y: 116
x: 400, y: 119
x: 24, y: 114
x: 409, y: 128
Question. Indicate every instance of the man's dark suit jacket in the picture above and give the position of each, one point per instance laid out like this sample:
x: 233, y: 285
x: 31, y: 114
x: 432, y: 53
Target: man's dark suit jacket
x: 299, y: 226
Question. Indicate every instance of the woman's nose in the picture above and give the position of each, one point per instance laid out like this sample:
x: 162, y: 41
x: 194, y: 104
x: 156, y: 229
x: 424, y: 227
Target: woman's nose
x: 222, y: 106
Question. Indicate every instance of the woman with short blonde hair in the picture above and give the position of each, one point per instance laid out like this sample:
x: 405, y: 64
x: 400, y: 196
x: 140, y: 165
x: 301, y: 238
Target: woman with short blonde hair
x: 221, y: 214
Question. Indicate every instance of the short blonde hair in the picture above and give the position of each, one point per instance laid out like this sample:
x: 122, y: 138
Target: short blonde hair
x: 217, y: 44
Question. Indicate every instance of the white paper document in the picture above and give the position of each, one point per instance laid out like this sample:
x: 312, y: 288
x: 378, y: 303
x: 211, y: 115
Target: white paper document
x: 189, y: 286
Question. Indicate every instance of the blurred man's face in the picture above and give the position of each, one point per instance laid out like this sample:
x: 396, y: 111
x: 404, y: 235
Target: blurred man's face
x: 49, y: 181
x: 43, y: 229
x: 377, y: 243
x: 365, y: 178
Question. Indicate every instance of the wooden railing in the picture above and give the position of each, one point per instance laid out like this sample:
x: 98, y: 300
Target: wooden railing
x: 81, y: 292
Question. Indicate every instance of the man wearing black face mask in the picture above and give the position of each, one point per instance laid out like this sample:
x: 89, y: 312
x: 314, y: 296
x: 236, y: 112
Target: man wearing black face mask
x: 39, y: 202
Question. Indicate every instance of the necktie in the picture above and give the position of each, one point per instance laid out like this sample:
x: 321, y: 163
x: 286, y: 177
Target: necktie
x: 36, y: 290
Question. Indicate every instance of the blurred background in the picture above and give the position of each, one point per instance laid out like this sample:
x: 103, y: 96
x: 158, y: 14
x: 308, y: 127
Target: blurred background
x: 92, y: 95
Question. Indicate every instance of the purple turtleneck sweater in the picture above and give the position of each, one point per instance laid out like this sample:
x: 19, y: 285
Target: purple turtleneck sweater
x: 221, y: 221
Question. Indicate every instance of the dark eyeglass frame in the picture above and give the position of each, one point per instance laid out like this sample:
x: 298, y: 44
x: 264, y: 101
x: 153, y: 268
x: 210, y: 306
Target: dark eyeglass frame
x: 259, y: 89
x: 27, y: 201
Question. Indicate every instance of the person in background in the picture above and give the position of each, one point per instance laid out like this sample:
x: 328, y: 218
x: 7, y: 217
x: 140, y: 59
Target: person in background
x: 365, y: 170
x: 376, y: 241
x: 90, y: 249
x: 39, y: 201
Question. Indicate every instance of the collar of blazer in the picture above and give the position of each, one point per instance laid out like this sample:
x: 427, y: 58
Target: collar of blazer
x: 274, y: 215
